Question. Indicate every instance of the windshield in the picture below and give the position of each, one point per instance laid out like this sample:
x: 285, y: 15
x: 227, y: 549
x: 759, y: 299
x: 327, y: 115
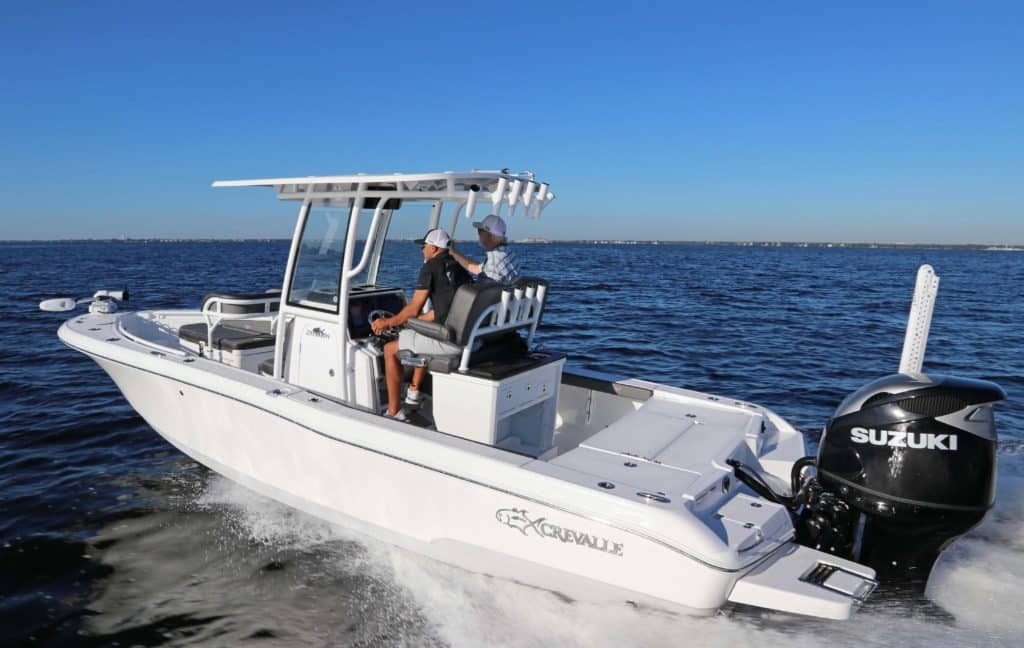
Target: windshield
x: 318, y: 265
x: 317, y: 271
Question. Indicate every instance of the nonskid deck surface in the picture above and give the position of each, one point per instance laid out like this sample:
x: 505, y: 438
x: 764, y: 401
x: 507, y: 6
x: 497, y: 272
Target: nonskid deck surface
x: 160, y: 328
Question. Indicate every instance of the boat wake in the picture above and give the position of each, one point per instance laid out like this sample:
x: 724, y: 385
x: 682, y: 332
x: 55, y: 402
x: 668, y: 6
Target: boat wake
x: 975, y: 582
x: 979, y: 577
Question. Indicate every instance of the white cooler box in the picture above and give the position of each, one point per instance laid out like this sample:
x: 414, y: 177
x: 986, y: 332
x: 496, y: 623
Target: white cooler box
x: 238, y: 343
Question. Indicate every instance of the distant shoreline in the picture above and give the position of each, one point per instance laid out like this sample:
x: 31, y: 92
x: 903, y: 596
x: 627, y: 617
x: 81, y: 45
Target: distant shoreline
x: 788, y: 244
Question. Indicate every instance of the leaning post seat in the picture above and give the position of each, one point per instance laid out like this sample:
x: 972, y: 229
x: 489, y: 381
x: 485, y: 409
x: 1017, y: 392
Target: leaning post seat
x: 481, y: 325
x: 490, y: 388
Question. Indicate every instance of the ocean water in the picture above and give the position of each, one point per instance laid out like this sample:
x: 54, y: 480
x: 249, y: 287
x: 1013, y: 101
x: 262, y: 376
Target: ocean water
x: 109, y: 536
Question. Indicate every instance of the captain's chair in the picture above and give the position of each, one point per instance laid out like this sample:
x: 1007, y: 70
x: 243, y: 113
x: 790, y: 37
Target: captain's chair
x: 481, y: 325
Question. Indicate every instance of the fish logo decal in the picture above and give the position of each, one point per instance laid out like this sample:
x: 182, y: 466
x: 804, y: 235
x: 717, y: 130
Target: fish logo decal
x: 521, y: 521
x: 318, y: 332
x: 517, y: 519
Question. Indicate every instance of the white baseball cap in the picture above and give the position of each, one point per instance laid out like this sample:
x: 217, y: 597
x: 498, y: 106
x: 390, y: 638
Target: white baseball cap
x: 436, y: 237
x: 492, y: 224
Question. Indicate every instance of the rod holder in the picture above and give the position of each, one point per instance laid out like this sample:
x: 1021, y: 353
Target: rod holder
x: 541, y: 201
x: 498, y: 196
x: 474, y: 190
x: 528, y: 190
x: 513, y: 197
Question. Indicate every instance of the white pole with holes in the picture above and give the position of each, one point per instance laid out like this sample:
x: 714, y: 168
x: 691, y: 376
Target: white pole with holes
x: 920, y: 320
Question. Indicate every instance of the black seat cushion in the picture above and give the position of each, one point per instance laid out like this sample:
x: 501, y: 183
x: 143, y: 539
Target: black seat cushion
x: 472, y: 299
x: 497, y: 349
x: 501, y: 369
x: 230, y: 337
x: 503, y: 352
x: 469, y: 302
x: 434, y: 330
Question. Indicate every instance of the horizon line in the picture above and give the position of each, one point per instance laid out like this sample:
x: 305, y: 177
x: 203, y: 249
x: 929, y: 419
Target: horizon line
x: 538, y: 241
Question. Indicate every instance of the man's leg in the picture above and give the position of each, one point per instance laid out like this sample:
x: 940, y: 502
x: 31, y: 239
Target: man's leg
x: 393, y: 375
x: 417, y: 378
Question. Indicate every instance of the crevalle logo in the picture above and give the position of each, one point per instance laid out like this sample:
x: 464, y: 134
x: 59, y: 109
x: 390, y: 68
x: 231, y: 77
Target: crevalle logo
x: 318, y: 333
x: 521, y: 521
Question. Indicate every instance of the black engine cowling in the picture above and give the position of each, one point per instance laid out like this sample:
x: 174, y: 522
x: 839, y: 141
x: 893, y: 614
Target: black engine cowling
x: 906, y: 465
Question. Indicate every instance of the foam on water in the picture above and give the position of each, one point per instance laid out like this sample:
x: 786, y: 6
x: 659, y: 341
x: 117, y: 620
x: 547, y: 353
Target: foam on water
x: 264, y: 520
x: 977, y: 580
x: 980, y: 577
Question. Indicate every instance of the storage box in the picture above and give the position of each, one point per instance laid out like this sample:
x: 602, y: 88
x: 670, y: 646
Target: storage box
x: 516, y: 413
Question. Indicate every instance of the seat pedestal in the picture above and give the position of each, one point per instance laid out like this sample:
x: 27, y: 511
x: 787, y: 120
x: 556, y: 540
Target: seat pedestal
x: 516, y: 413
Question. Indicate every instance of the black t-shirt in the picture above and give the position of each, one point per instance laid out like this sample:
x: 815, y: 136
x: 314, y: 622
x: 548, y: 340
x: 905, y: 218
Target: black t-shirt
x: 441, y: 276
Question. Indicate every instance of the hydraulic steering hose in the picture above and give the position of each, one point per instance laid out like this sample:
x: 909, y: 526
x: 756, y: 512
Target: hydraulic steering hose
x: 751, y: 478
x: 795, y: 481
x: 757, y: 483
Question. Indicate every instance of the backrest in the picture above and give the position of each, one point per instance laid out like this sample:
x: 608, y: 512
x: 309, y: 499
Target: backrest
x: 470, y: 301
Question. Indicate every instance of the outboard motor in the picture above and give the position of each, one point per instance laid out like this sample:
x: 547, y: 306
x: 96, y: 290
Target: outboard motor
x: 907, y: 464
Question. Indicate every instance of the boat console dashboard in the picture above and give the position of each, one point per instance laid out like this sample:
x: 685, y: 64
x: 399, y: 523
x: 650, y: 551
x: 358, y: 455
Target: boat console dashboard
x: 364, y: 300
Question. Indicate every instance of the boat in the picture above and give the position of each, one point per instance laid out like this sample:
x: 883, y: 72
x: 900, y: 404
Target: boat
x: 517, y: 465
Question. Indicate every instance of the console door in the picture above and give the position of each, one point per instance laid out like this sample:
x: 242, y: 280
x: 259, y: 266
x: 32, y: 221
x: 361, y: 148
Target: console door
x: 319, y: 345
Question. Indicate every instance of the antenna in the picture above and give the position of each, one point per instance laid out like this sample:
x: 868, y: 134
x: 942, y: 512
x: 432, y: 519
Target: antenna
x: 920, y: 320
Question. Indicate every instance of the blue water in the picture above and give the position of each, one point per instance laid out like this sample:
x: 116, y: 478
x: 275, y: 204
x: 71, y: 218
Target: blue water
x: 107, y: 534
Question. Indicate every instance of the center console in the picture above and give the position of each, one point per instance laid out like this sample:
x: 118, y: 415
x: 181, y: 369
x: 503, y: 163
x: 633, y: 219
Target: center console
x: 368, y: 366
x: 364, y: 300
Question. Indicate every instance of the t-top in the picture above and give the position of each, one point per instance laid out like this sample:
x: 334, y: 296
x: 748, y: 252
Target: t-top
x: 441, y: 277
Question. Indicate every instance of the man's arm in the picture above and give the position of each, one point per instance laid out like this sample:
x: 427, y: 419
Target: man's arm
x: 411, y: 310
x: 464, y: 261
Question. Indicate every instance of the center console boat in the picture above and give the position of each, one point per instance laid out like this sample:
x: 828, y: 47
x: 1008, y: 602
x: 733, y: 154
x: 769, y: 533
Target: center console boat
x: 595, y: 486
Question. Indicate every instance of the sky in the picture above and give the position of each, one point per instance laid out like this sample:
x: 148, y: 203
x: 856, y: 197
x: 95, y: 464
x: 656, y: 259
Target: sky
x: 858, y: 122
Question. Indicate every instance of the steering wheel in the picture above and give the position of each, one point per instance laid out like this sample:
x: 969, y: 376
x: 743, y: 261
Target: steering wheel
x: 387, y: 334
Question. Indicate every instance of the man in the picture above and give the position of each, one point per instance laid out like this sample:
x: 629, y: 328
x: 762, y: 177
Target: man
x: 439, y: 278
x: 500, y: 263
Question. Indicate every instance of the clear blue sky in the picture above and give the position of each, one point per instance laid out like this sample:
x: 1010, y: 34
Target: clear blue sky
x: 735, y: 121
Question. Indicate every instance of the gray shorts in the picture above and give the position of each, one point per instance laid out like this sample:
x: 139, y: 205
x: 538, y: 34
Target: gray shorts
x: 422, y: 345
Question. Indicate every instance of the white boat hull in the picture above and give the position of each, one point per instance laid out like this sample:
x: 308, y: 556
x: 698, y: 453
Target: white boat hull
x: 454, y: 500
x: 438, y: 514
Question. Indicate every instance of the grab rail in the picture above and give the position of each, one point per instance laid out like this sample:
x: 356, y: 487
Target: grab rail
x: 213, y: 310
x: 369, y: 242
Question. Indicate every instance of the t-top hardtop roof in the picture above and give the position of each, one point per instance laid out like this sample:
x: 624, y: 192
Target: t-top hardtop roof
x: 497, y: 187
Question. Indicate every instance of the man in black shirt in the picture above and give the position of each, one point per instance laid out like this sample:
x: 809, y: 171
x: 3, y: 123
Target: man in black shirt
x: 439, y: 278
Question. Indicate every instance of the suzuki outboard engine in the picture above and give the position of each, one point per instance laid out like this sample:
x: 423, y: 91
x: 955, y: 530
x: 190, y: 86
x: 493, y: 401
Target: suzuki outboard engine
x: 907, y: 464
